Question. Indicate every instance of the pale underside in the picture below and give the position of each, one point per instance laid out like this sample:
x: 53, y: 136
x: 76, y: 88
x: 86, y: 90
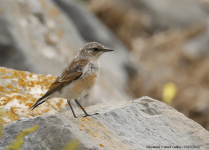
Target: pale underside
x: 77, y: 88
x: 80, y: 87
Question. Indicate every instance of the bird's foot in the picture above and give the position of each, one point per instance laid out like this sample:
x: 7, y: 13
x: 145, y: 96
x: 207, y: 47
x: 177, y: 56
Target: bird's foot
x: 95, y: 114
x: 86, y: 115
x: 75, y: 116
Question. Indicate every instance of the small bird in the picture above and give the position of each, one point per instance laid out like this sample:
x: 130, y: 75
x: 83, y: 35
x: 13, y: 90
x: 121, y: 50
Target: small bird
x: 78, y: 77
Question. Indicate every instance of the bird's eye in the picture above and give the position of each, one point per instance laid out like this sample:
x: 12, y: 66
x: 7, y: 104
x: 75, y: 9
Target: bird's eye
x: 96, y: 49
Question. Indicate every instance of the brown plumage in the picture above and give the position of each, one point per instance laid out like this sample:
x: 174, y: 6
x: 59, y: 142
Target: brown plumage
x: 78, y: 77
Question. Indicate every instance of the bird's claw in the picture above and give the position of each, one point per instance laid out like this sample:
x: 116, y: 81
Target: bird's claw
x: 87, y: 115
x: 96, y: 114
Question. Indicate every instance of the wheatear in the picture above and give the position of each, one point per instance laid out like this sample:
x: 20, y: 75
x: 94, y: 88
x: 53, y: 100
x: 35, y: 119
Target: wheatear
x: 78, y: 77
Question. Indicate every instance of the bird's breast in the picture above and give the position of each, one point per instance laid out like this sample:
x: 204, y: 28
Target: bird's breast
x: 93, y: 68
x: 82, y: 86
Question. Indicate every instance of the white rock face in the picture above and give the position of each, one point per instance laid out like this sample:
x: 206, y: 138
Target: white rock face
x: 139, y: 124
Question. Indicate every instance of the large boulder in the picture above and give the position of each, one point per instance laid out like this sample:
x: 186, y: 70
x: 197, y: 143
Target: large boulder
x: 138, y: 124
x: 36, y: 36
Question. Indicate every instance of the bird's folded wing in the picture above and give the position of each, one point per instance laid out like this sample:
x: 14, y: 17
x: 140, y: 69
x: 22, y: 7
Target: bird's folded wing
x: 71, y: 73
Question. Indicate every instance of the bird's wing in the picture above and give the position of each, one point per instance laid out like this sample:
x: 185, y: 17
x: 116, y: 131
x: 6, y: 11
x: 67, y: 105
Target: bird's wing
x: 71, y: 73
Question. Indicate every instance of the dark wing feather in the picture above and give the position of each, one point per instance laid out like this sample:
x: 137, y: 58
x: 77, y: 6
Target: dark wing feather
x: 71, y: 73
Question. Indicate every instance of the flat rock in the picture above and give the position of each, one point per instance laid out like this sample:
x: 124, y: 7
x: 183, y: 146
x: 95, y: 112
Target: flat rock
x: 139, y: 124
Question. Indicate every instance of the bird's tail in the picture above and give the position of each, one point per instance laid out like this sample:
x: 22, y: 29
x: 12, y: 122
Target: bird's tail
x: 39, y: 102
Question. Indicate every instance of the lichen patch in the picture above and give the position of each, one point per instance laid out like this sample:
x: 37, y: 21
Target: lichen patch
x: 19, y: 90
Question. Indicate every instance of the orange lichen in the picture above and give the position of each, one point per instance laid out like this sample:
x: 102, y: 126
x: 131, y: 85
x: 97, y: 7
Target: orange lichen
x: 2, y: 89
x: 11, y: 116
x: 100, y: 124
x: 83, y: 120
x: 88, y: 131
x: 59, y: 104
x: 82, y: 125
x: 87, y: 118
x: 94, y: 134
x: 29, y: 104
x: 2, y: 70
x: 9, y: 86
x: 101, y: 145
x: 80, y: 129
x: 18, y: 95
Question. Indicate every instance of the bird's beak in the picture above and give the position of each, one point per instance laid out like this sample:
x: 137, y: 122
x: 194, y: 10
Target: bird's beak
x: 108, y: 50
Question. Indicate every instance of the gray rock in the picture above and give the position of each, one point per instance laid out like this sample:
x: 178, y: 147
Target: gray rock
x: 198, y: 47
x: 36, y: 36
x: 123, y: 125
x: 169, y: 14
x: 90, y: 28
x: 164, y: 14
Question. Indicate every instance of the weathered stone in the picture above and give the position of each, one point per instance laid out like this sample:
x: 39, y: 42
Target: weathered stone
x: 19, y: 90
x: 123, y: 125
x: 36, y: 36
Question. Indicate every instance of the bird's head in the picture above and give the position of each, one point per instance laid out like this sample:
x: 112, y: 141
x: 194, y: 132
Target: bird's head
x: 94, y: 50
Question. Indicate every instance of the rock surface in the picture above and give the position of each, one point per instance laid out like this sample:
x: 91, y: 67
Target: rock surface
x: 34, y: 33
x: 20, y: 89
x: 123, y: 125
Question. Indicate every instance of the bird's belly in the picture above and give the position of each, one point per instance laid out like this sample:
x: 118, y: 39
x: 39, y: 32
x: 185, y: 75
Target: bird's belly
x: 80, y: 87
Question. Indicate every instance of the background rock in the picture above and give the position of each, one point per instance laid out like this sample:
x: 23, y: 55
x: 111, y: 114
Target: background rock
x: 37, y: 36
x: 165, y: 14
x: 36, y: 39
x: 119, y: 125
x: 168, y: 41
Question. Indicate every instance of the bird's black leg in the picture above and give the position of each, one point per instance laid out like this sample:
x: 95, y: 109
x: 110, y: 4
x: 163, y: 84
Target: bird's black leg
x: 71, y: 109
x: 86, y: 114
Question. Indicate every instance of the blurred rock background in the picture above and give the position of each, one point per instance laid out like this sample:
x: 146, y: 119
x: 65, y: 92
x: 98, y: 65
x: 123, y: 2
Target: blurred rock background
x: 41, y: 37
x: 155, y: 42
x: 168, y: 42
